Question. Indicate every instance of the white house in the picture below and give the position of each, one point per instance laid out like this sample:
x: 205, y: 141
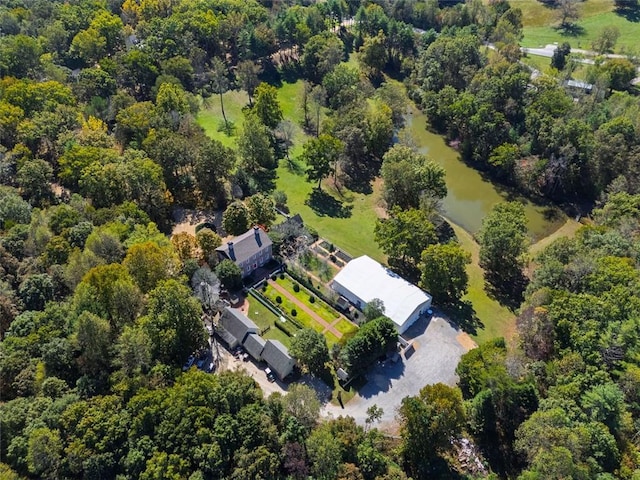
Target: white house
x: 364, y: 279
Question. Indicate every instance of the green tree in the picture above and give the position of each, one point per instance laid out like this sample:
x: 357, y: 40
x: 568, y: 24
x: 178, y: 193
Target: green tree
x: 36, y: 290
x: 148, y: 264
x: 236, y: 218
x: 322, y: 53
x: 373, y: 54
x: 109, y: 292
x: 428, y: 423
x: 93, y: 338
x: 374, y: 309
x: 229, y: 274
x: 374, y: 339
x: 606, y: 40
x: 262, y: 210
x: 267, y: 106
x: 34, y: 178
x: 173, y: 322
x: 568, y: 12
x: 247, y: 72
x: 310, y: 348
x: 409, y: 176
x: 321, y: 156
x: 302, y: 403
x: 559, y: 58
x: 503, y: 242
x: 443, y: 271
x: 254, y: 146
x: 44, y: 454
x: 403, y: 236
x: 620, y: 72
x: 212, y: 166
x: 324, y: 454
x: 208, y: 241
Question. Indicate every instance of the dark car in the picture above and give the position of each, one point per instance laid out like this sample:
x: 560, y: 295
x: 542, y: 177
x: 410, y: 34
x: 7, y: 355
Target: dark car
x: 189, y: 363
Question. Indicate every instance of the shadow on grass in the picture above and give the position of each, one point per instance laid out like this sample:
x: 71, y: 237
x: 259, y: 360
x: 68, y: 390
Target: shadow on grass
x: 464, y: 315
x: 508, y: 290
x: 325, y: 205
x: 630, y: 13
x: 570, y: 30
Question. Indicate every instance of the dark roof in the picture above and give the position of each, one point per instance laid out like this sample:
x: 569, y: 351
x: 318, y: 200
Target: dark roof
x: 254, y: 344
x: 237, y: 324
x: 243, y: 246
x: 278, y: 358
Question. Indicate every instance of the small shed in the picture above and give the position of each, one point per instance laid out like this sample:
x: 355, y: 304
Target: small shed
x: 277, y: 357
x: 254, y: 344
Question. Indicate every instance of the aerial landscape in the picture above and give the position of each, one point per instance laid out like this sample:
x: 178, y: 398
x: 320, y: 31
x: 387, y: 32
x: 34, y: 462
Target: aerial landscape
x: 333, y: 239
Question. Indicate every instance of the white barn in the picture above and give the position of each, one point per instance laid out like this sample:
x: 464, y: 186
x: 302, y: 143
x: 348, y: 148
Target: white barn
x: 364, y: 279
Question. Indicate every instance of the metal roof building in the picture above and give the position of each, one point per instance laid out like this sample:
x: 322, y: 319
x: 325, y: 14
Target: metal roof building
x: 364, y: 279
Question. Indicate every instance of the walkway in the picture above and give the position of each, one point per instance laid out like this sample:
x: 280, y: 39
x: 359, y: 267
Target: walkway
x: 327, y: 327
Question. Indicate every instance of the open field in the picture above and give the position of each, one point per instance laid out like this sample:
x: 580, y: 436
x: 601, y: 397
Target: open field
x: 541, y: 21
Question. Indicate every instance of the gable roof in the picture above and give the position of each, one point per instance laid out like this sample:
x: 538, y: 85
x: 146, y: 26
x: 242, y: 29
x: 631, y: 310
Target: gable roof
x: 237, y: 324
x: 242, y: 247
x: 367, y: 279
x: 254, y: 344
x: 278, y: 358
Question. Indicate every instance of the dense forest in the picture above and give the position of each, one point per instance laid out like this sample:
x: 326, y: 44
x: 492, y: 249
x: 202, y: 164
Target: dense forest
x: 98, y: 141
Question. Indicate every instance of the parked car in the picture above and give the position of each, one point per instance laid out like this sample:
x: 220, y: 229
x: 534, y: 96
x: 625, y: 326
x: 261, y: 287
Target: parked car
x: 270, y: 376
x: 200, y: 363
x: 189, y: 363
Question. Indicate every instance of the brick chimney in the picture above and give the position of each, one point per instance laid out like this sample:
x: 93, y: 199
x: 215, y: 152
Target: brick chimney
x: 256, y: 232
x: 232, y: 254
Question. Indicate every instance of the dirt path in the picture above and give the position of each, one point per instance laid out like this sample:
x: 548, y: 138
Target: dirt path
x: 306, y: 309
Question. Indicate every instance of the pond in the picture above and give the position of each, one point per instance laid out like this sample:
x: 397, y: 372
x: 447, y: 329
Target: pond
x: 470, y: 196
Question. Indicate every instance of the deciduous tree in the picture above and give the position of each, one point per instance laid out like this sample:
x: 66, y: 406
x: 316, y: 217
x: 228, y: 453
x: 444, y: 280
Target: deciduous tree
x: 310, y: 348
x: 443, y: 271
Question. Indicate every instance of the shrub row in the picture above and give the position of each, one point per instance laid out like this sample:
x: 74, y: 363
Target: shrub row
x: 284, y: 327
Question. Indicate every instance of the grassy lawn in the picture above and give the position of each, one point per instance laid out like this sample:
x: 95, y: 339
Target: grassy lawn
x: 344, y: 218
x: 496, y: 320
x: 540, y: 25
x: 323, y: 310
x: 346, y: 328
x: 265, y: 318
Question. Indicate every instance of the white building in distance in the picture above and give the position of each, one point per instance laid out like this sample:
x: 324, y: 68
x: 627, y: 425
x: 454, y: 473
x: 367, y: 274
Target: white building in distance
x: 364, y: 279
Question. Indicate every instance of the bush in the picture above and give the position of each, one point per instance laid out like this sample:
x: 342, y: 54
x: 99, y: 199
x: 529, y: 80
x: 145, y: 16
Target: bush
x: 281, y: 276
x: 296, y: 287
x: 273, y: 277
x: 278, y: 299
x: 294, y: 312
x: 264, y: 287
x: 281, y: 326
x: 312, y: 299
x: 332, y: 257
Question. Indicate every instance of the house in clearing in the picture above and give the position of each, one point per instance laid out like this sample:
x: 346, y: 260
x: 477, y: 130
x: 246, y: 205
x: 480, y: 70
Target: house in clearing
x: 363, y: 279
x: 234, y: 327
x: 249, y: 251
x: 277, y: 357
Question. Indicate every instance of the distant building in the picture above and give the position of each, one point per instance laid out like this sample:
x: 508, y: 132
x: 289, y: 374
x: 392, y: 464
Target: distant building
x: 363, y: 279
x: 579, y: 86
x: 249, y: 251
x: 234, y: 326
x: 277, y: 357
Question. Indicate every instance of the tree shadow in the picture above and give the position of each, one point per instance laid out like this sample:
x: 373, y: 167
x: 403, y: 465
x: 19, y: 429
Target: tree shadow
x: 631, y: 13
x: 463, y: 313
x: 570, y: 30
x: 265, y: 180
x: 325, y: 205
x: 508, y: 290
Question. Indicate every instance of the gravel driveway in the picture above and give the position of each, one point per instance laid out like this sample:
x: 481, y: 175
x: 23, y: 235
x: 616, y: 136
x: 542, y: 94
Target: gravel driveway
x: 438, y: 347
